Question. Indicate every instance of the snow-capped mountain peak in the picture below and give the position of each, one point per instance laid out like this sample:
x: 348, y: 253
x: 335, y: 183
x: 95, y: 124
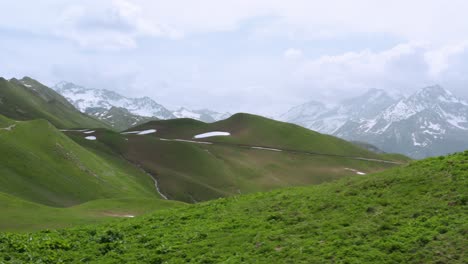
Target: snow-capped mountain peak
x: 88, y: 98
x: 431, y: 121
x: 204, y: 115
x: 102, y: 102
x: 185, y: 113
x: 316, y: 116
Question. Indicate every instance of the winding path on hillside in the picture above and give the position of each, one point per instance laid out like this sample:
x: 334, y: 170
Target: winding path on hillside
x: 9, y: 128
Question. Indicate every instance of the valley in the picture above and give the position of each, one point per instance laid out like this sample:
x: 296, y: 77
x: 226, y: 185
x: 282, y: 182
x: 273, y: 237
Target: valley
x: 415, y: 213
x: 233, y: 132
x: 170, y: 189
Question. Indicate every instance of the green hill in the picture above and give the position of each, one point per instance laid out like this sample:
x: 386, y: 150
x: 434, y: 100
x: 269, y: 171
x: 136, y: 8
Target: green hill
x: 257, y: 131
x: 40, y: 164
x: 192, y: 172
x: 412, y: 214
x: 48, y: 180
x: 27, y: 99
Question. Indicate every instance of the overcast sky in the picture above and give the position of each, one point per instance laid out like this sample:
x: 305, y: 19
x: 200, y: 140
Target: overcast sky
x: 259, y: 56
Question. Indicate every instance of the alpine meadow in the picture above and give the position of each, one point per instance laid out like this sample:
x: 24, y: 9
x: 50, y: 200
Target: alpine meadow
x: 136, y: 131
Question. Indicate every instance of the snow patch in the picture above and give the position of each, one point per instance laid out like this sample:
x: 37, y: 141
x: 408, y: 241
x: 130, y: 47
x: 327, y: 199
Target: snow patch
x: 185, y: 113
x: 271, y: 149
x: 185, y: 140
x: 90, y: 138
x: 356, y: 171
x: 130, y: 132
x: 89, y: 132
x: 212, y: 134
x: 434, y: 126
x: 145, y: 132
x: 418, y: 144
x: 119, y: 215
x: 456, y: 121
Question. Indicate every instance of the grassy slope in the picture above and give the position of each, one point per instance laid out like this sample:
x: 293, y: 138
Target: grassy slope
x: 29, y: 216
x: 195, y: 172
x: 259, y: 131
x: 38, y: 101
x: 40, y: 164
x: 42, y: 169
x: 413, y: 214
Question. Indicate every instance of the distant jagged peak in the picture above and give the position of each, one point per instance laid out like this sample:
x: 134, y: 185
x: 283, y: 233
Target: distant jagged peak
x: 434, y: 95
x: 370, y: 96
x: 433, y: 92
x: 64, y: 85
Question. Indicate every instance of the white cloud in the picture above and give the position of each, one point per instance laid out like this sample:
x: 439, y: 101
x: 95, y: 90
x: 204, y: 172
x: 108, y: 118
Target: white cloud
x: 254, y: 79
x: 293, y: 54
x: 439, y: 59
x: 417, y: 20
x: 113, y: 26
x: 405, y: 67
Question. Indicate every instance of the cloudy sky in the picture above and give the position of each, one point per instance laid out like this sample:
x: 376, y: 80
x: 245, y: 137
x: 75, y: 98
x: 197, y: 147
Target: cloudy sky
x: 260, y: 56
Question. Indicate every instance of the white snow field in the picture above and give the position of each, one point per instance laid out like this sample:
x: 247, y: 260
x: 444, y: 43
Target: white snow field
x: 212, y: 134
x: 90, y: 138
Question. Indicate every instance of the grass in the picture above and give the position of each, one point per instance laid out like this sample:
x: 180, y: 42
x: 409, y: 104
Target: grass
x: 40, y: 164
x: 412, y: 214
x: 29, y: 216
x: 49, y: 181
x: 259, y: 131
x: 40, y: 102
x: 198, y: 172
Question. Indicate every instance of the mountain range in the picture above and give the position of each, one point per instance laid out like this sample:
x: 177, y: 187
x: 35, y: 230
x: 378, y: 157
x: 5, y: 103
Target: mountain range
x: 62, y: 168
x: 55, y: 156
x: 429, y: 122
x: 122, y: 112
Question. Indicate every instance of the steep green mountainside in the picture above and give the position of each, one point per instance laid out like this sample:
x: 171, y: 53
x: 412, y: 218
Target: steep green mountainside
x: 193, y: 171
x: 27, y: 99
x: 40, y: 164
x: 411, y: 214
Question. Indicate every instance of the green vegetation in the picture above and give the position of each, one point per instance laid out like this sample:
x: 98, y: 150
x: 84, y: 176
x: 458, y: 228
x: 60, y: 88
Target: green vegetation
x: 42, y: 170
x: 27, y: 99
x: 411, y: 214
x: 258, y: 131
x: 40, y: 164
x: 20, y: 215
x: 192, y: 172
